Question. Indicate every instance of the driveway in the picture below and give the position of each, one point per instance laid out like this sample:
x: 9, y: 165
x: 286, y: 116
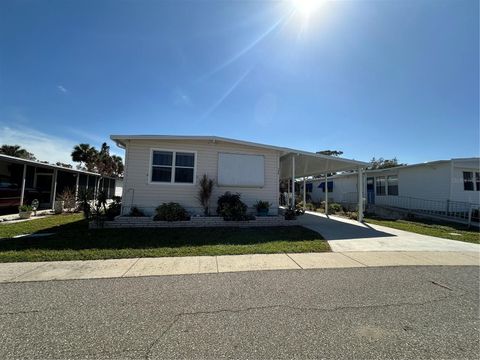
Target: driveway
x: 349, y: 235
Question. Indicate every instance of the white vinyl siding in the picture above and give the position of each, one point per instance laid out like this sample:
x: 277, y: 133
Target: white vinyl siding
x: 141, y: 192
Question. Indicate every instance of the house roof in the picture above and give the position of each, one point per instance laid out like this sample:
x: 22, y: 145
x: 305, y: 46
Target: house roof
x: 307, y: 163
x: 427, y: 163
x: 44, y: 165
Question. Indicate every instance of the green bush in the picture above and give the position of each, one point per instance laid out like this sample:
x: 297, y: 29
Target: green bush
x: 25, y: 208
x: 231, y: 208
x: 334, y: 208
x: 171, y: 212
x: 262, y: 205
x: 308, y: 206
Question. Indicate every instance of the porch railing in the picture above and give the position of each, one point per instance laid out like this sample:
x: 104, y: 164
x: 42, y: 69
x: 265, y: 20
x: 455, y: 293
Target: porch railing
x: 455, y: 210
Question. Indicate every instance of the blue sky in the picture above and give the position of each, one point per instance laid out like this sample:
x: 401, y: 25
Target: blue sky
x: 370, y: 78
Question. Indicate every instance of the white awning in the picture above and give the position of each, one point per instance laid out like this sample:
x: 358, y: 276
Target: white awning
x: 310, y: 164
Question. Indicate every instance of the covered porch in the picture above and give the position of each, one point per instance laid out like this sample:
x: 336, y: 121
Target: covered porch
x: 22, y: 181
x: 298, y: 166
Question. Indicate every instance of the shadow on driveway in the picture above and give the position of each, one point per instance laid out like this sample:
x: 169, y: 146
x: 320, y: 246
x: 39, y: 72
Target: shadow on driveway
x: 336, y: 229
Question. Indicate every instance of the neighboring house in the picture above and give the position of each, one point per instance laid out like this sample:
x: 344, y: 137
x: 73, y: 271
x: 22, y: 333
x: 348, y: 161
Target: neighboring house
x: 22, y: 181
x: 162, y: 168
x: 437, y: 185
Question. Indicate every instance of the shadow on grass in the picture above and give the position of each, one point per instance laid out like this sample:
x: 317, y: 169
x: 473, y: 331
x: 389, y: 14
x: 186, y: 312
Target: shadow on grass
x: 77, y: 236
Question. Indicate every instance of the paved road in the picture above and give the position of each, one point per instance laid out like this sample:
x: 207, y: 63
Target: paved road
x: 349, y: 235
x: 404, y: 312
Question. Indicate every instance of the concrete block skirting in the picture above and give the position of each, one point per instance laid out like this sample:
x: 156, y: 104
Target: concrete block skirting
x: 196, y: 221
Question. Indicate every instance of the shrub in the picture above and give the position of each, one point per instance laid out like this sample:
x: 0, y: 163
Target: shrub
x: 171, y: 212
x: 262, y: 205
x: 334, y: 208
x: 231, y: 208
x: 136, y: 212
x: 25, y: 208
x: 84, y: 197
x: 205, y: 193
x: 113, y: 210
x: 290, y: 214
x: 352, y: 215
x: 68, y: 198
x: 308, y: 206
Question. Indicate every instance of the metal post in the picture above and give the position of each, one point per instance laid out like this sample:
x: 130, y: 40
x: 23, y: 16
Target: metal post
x: 76, y: 186
x: 22, y: 194
x: 54, y: 192
x: 360, y: 194
x: 288, y: 193
x: 326, y: 193
x: 293, y: 182
x: 304, y: 194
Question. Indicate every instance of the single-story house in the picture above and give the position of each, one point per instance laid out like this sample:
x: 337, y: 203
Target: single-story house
x: 22, y: 181
x: 443, y: 185
x: 164, y: 168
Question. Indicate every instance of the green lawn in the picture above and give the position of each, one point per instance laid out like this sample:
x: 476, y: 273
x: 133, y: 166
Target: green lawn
x: 438, y: 229
x: 74, y: 241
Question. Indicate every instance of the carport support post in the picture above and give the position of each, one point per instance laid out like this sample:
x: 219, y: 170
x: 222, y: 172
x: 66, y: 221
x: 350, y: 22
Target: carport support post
x: 76, y: 186
x: 54, y: 191
x: 326, y: 193
x: 304, y: 194
x: 293, y: 183
x: 22, y: 193
x: 360, y: 194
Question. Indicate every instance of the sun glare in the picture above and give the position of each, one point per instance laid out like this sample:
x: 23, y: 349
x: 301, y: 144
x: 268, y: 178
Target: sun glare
x: 306, y: 7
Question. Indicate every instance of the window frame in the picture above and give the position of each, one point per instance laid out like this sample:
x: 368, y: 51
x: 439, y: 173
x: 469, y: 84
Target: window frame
x: 388, y: 185
x: 172, y: 176
x: 384, y: 185
x: 472, y: 180
x: 476, y: 180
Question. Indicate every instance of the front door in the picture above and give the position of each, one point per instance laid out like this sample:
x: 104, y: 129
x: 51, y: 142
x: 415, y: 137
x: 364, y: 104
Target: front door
x: 370, y: 190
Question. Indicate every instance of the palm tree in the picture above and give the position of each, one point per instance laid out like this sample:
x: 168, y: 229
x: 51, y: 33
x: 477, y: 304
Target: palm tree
x: 16, y: 151
x: 119, y: 167
x: 86, y: 154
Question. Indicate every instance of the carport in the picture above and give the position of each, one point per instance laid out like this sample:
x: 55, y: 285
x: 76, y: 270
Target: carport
x: 299, y: 165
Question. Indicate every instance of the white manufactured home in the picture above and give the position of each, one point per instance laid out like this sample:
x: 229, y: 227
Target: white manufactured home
x: 164, y: 168
x: 442, y: 186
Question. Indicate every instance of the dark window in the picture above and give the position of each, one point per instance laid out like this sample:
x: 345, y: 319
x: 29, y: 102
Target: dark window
x: 162, y: 166
x: 161, y: 174
x: 380, y: 185
x: 183, y: 175
x: 477, y: 180
x: 392, y: 185
x: 162, y: 158
x: 468, y: 181
x: 185, y: 159
x: 329, y: 186
x: 171, y: 166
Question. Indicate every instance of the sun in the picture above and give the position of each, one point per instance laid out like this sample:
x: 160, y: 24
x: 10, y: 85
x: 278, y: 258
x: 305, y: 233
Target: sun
x: 306, y: 7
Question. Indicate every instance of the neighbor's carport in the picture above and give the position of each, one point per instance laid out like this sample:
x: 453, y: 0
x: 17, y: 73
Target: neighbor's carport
x: 296, y: 165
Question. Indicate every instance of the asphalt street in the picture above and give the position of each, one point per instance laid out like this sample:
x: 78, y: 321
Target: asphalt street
x: 361, y: 313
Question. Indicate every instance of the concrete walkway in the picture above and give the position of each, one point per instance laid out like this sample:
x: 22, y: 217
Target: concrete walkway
x: 350, y: 235
x: 118, y: 268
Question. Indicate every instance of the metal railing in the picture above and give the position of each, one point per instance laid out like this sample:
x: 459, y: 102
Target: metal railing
x: 457, y: 210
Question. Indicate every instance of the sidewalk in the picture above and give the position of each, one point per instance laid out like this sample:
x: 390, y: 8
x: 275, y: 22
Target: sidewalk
x: 117, y: 268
